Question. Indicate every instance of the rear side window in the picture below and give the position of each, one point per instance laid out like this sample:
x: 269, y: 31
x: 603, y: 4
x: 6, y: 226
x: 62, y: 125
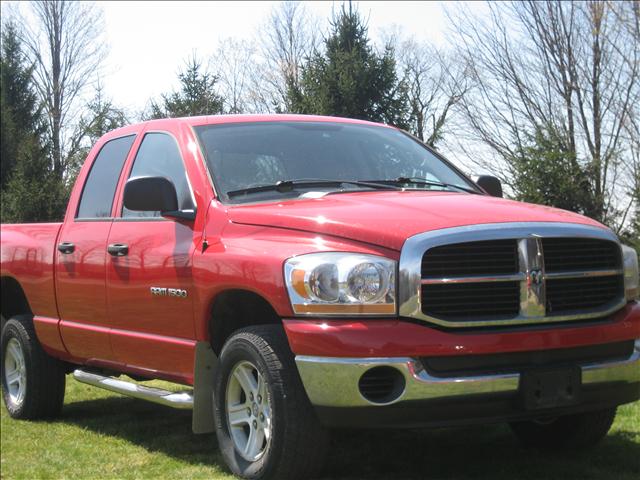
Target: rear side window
x: 159, y: 156
x: 100, y: 187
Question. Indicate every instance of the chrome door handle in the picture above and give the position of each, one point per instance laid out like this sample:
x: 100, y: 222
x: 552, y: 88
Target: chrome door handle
x: 118, y: 249
x: 66, y: 247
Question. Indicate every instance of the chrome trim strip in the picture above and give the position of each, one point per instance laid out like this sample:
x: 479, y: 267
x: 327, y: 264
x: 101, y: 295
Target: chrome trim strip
x: 529, y: 235
x: 333, y: 381
x: 580, y: 274
x: 518, y: 277
x: 180, y: 400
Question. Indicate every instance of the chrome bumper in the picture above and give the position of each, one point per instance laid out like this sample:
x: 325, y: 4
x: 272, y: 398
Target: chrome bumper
x: 333, y: 381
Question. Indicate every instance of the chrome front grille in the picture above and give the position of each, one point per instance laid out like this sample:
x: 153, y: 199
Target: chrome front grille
x: 504, y: 274
x: 576, y: 294
x: 471, y: 300
x: 574, y: 254
x: 494, y: 257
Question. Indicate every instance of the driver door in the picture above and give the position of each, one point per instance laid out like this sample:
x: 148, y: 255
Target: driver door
x: 152, y: 325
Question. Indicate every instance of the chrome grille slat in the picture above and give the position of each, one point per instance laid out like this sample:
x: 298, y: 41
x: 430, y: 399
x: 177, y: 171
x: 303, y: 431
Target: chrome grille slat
x: 583, y: 274
x: 520, y: 273
x: 474, y: 279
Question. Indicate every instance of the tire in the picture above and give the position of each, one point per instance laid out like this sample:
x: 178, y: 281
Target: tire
x: 33, y: 383
x: 293, y: 443
x: 581, y: 430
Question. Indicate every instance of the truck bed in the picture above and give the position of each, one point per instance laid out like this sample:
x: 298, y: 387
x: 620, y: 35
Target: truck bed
x: 28, y: 253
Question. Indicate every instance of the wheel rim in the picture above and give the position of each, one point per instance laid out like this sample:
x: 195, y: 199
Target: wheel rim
x: 15, y: 372
x: 248, y: 409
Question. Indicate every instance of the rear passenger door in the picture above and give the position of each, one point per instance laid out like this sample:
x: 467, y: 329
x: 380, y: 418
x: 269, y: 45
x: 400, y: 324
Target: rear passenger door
x: 81, y: 254
x: 154, y: 331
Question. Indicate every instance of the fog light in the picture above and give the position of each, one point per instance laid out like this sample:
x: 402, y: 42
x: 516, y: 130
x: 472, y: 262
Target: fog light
x: 382, y: 385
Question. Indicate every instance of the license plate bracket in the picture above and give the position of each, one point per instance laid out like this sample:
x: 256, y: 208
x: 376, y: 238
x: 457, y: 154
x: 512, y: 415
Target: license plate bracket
x: 549, y: 388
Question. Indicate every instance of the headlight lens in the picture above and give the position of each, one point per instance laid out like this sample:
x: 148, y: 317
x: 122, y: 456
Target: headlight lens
x: 335, y: 283
x: 630, y: 259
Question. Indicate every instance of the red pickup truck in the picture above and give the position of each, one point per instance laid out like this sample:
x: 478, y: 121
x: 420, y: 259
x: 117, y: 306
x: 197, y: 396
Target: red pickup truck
x: 301, y: 273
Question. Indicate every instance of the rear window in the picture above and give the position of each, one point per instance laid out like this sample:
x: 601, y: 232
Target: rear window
x: 100, y: 187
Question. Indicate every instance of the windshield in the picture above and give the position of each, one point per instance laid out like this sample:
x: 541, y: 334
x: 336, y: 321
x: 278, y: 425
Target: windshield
x: 244, y: 156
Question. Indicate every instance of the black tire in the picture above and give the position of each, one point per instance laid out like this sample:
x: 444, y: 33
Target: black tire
x: 581, y: 430
x: 298, y: 442
x: 45, y: 376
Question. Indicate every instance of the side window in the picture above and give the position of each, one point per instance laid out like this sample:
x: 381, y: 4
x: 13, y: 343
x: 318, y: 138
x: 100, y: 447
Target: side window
x: 159, y: 156
x: 100, y: 186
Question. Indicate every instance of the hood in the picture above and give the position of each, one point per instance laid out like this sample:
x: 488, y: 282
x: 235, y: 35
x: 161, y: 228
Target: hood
x: 388, y: 218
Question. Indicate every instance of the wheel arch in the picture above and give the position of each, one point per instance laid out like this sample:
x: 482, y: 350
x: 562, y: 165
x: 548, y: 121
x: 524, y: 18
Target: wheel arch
x: 13, y: 300
x: 234, y: 309
x: 230, y: 310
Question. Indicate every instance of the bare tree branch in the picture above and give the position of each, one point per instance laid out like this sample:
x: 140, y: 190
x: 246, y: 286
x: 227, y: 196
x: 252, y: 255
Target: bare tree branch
x: 67, y: 48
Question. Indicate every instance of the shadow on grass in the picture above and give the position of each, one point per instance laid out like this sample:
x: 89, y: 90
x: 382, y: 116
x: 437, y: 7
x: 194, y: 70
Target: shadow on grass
x: 460, y: 453
x: 154, y: 427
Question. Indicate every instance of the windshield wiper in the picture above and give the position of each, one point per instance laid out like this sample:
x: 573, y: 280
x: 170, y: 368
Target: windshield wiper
x: 421, y: 181
x: 285, y: 186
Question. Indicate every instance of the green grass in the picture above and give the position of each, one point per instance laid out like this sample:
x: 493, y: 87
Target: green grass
x: 101, y: 435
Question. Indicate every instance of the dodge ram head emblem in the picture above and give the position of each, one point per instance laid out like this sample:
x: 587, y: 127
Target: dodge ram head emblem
x: 535, y: 277
x: 168, y: 292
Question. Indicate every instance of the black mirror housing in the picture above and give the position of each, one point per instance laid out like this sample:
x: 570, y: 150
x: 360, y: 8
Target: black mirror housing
x: 490, y: 184
x: 150, y: 194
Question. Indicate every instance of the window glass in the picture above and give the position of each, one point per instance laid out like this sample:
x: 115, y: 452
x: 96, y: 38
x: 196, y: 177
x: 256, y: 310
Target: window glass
x: 241, y: 156
x: 100, y: 187
x: 159, y: 156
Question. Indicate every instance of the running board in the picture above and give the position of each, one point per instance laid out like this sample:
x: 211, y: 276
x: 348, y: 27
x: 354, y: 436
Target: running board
x: 181, y: 400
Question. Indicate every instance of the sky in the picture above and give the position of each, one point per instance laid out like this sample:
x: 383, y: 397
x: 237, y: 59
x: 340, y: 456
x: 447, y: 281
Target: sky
x: 149, y: 41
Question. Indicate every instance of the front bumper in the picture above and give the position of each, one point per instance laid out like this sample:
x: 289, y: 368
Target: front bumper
x: 332, y: 385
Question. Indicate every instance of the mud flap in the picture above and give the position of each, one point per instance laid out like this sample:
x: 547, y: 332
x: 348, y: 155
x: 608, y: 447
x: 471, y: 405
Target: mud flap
x: 204, y: 364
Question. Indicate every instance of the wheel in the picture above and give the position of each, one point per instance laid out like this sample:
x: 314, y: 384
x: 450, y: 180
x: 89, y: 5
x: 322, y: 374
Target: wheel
x: 265, y: 425
x: 571, y: 431
x: 32, y: 381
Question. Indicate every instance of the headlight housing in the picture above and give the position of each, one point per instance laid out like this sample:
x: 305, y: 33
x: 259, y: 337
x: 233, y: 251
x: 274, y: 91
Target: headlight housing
x: 334, y: 283
x: 630, y: 261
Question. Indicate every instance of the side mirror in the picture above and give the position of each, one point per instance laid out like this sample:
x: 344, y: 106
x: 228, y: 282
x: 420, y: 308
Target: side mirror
x: 150, y: 194
x: 490, y: 184
x: 154, y: 194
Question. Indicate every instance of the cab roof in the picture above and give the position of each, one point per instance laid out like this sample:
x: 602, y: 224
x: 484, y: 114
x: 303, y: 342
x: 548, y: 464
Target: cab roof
x: 244, y: 118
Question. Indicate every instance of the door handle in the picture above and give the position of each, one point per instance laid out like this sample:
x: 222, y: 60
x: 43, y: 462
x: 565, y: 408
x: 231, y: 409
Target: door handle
x: 118, y: 249
x: 66, y: 247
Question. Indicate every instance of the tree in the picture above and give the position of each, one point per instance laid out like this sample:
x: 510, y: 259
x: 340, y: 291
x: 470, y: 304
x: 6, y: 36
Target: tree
x: 349, y: 78
x: 67, y: 49
x: 196, y: 96
x: 435, y: 84
x: 29, y: 190
x: 100, y: 116
x: 288, y: 38
x: 544, y: 171
x: 235, y: 60
x: 566, y: 67
x: 21, y: 113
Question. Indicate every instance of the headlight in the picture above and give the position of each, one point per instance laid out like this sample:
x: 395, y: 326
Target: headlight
x: 630, y: 259
x: 341, y: 284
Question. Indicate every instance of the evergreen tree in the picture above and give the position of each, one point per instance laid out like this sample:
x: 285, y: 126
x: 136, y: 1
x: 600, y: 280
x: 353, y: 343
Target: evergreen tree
x: 631, y: 236
x: 29, y: 190
x: 100, y: 117
x: 545, y: 170
x: 350, y: 78
x: 196, y: 96
x: 21, y: 115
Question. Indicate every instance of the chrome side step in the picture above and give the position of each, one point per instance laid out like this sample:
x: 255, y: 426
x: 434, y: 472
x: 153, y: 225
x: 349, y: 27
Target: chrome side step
x: 181, y: 400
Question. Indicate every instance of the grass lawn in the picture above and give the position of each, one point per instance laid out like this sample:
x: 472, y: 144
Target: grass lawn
x: 103, y: 435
